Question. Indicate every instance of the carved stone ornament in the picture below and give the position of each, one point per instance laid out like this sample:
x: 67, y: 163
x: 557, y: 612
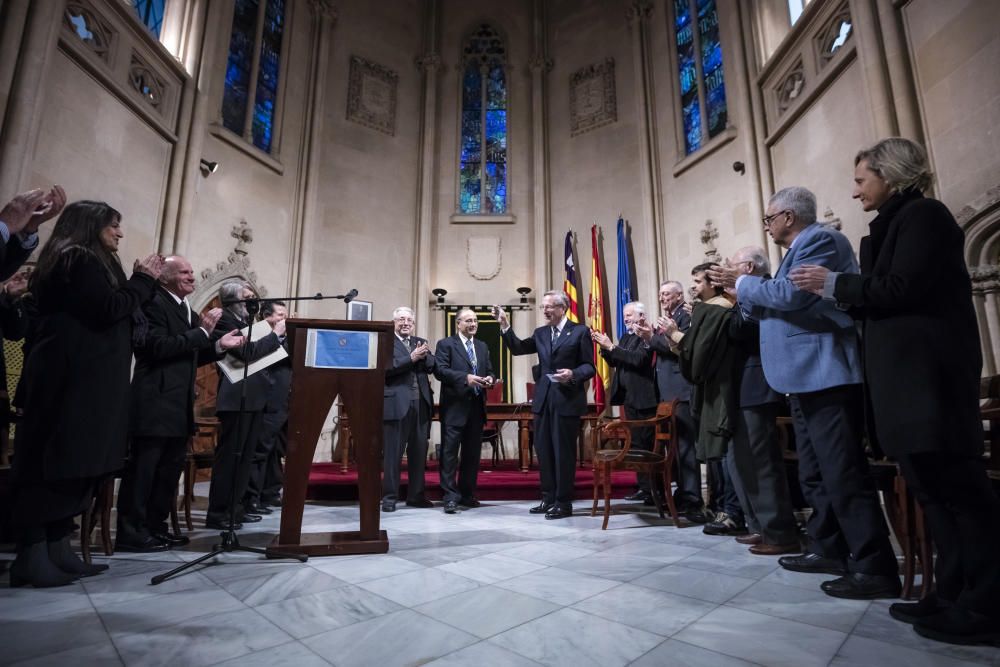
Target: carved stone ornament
x: 985, y: 279
x: 708, y: 235
x: 89, y: 28
x: 483, y: 257
x: 832, y: 36
x: 978, y: 209
x: 639, y: 10
x: 830, y: 220
x: 143, y: 79
x: 790, y: 88
x: 540, y: 62
x: 430, y: 62
x: 371, y: 95
x: 237, y: 264
x: 592, y: 98
x: 324, y: 9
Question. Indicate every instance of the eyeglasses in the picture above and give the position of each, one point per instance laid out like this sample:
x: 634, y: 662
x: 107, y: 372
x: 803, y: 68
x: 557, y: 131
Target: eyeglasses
x: 768, y: 219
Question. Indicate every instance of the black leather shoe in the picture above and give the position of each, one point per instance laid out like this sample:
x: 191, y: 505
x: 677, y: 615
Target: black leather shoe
x: 251, y: 518
x: 911, y: 612
x: 810, y: 562
x: 423, y: 502
x: 221, y: 524
x: 542, y: 508
x: 388, y: 506
x: 148, y: 545
x: 698, y: 515
x: 254, y: 508
x: 639, y: 495
x: 450, y: 507
x: 271, y: 502
x: 559, y: 513
x: 960, y: 626
x: 469, y: 502
x: 858, y: 586
x: 172, y: 540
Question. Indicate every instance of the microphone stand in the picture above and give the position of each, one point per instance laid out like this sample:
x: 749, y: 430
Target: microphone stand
x: 228, y: 540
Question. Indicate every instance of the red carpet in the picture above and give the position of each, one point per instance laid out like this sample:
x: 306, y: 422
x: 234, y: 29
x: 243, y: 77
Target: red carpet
x: 505, y: 482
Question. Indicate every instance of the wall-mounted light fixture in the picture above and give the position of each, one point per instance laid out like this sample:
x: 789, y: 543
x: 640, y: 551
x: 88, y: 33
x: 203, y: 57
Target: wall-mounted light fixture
x: 208, y: 167
x: 439, y: 293
x: 524, y: 292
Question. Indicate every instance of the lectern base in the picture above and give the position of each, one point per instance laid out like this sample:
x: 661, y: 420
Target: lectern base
x: 333, y: 544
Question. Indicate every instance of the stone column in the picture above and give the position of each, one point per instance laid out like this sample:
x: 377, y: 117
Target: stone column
x: 871, y: 57
x: 540, y: 65
x: 305, y: 218
x: 13, y: 14
x: 652, y: 224
x: 27, y: 91
x: 985, y: 290
x: 897, y: 57
x: 429, y: 65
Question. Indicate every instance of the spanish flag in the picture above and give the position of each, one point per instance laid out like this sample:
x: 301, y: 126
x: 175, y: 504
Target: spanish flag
x: 598, y: 322
x: 569, y: 285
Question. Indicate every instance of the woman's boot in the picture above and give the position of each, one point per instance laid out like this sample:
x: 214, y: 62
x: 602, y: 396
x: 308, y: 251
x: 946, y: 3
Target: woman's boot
x: 34, y: 567
x: 62, y: 555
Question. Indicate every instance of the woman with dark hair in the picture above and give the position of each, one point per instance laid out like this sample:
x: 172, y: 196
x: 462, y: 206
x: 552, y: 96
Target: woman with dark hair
x: 922, y: 364
x: 74, y: 386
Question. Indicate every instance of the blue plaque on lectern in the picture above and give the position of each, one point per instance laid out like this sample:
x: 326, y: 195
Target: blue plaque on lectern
x: 330, y: 348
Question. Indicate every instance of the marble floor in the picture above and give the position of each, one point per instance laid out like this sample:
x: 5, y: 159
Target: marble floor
x: 489, y: 586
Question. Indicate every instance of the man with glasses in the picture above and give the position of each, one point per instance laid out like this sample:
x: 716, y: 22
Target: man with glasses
x: 809, y: 350
x: 408, y: 404
x: 566, y: 362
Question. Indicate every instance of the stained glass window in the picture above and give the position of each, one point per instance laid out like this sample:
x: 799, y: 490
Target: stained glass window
x: 256, y: 123
x: 150, y: 12
x: 482, y: 167
x: 699, y: 69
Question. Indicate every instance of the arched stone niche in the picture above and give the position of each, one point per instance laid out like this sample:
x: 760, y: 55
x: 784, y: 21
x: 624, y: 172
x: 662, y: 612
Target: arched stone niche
x: 980, y: 221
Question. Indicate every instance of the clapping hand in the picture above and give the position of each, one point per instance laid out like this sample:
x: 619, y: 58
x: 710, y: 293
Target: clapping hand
x: 501, y: 317
x: 151, y: 265
x: 210, y: 319
x: 809, y: 278
x: 232, y: 339
x: 601, y: 339
x: 419, y: 352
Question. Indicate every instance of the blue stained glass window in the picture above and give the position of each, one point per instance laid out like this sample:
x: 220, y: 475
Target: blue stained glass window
x: 698, y: 45
x: 150, y: 12
x: 267, y: 77
x: 688, y: 75
x: 483, y: 161
x: 711, y: 67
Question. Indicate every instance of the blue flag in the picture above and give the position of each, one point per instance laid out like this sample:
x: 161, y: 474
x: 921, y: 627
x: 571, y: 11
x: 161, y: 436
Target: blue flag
x: 624, y: 277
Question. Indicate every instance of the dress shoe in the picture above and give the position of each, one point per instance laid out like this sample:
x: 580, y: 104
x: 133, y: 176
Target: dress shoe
x: 699, y: 515
x: 559, y: 513
x: 172, y: 540
x: 422, y: 502
x: 254, y: 508
x: 814, y: 563
x: 471, y: 503
x: 220, y: 524
x: 251, y: 518
x: 960, y: 626
x: 388, y: 506
x: 725, y: 525
x: 450, y: 507
x: 911, y: 612
x: 639, y: 495
x: 859, y: 586
x: 542, y: 508
x: 146, y: 546
x: 751, y: 538
x: 62, y: 556
x: 271, y: 502
x: 775, y: 549
x: 33, y: 567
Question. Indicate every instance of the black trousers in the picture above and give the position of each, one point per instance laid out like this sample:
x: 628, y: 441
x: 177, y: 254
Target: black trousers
x: 274, y: 472
x: 149, y: 486
x: 688, y: 492
x: 963, y: 514
x: 233, y: 459
x: 271, y: 424
x: 760, y: 471
x: 555, y: 445
x: 405, y: 435
x: 846, y: 522
x: 461, y: 448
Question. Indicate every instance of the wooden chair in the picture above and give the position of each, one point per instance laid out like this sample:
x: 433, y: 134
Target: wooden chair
x: 492, y: 430
x: 658, y: 461
x: 200, y: 455
x: 98, y: 512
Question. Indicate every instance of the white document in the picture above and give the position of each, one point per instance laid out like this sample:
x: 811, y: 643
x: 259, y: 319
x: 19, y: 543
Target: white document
x: 233, y: 367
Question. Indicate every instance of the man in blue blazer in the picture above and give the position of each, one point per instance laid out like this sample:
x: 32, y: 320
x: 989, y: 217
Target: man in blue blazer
x: 566, y: 362
x: 809, y: 350
x: 464, y: 369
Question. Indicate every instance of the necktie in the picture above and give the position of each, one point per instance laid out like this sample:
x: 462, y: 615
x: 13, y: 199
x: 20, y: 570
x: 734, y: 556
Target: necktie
x: 472, y: 361
x: 187, y: 310
x: 555, y: 334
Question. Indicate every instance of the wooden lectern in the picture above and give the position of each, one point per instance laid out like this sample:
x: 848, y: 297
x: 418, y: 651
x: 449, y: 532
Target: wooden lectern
x: 313, y: 391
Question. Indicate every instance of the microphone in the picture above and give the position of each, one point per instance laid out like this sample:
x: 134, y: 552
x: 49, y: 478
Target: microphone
x: 350, y: 296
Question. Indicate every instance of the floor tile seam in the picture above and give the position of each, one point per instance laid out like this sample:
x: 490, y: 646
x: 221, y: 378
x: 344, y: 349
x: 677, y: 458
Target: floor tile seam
x: 685, y: 595
x: 167, y: 626
x: 727, y: 655
x: 452, y: 625
x: 114, y: 644
x: 728, y: 604
x: 401, y: 607
x: 605, y: 619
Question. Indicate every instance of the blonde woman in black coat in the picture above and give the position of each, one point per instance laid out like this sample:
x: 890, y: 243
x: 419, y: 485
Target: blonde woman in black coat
x: 75, y: 386
x: 922, y: 363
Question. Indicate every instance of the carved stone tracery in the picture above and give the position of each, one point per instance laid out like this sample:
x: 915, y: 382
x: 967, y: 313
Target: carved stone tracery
x: 143, y: 79
x: 89, y: 28
x: 790, y: 88
x: 371, y: 95
x: 593, y: 100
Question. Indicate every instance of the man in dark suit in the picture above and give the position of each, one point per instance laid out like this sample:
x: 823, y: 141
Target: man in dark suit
x: 408, y: 405
x: 266, y: 475
x: 566, y: 361
x: 633, y: 385
x: 464, y: 369
x: 238, y: 434
x: 671, y: 385
x: 161, y: 416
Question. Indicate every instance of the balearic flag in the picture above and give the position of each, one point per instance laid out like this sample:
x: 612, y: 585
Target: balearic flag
x: 569, y: 284
x: 624, y: 277
x: 598, y: 322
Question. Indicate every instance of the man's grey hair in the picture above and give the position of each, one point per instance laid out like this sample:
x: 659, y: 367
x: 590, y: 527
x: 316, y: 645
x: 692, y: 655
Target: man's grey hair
x: 230, y: 291
x: 560, y: 296
x: 403, y: 310
x: 673, y: 285
x: 755, y: 254
x: 637, y: 306
x: 796, y: 199
x: 462, y: 312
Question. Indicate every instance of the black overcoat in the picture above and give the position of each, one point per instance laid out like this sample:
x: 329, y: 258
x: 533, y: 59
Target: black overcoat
x: 922, y: 359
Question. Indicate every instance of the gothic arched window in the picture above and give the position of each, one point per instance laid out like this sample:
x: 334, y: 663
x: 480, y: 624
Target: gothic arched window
x: 482, y: 187
x: 253, y: 66
x: 150, y: 12
x: 699, y: 64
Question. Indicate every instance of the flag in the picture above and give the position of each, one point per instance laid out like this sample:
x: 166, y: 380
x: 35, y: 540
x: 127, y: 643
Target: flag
x: 624, y: 277
x: 598, y: 322
x: 569, y: 285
